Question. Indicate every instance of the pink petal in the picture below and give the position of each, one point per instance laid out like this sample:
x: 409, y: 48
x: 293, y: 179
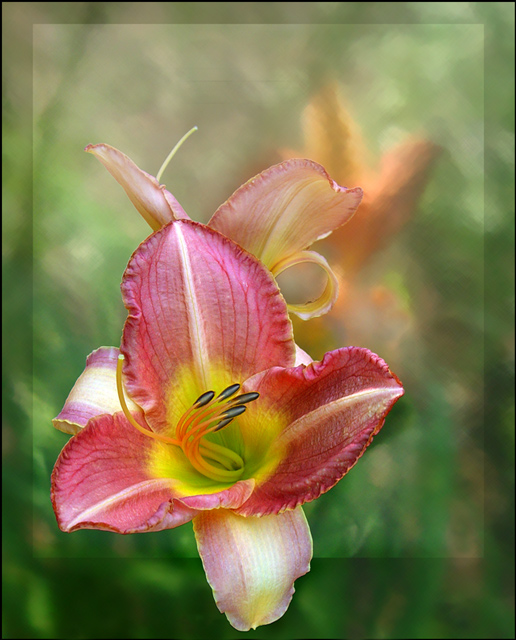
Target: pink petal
x: 203, y: 314
x: 230, y: 498
x: 285, y: 209
x: 93, y: 394
x: 302, y: 357
x: 252, y: 563
x: 331, y: 411
x: 151, y: 199
x: 101, y: 480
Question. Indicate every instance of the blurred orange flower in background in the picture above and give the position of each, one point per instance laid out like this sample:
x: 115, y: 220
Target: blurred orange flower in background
x: 365, y: 307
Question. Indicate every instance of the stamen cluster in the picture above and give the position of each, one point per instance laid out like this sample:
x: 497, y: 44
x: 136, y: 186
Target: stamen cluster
x: 208, y: 414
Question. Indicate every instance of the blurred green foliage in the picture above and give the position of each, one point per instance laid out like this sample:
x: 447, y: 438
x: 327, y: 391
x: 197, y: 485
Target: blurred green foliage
x: 417, y: 541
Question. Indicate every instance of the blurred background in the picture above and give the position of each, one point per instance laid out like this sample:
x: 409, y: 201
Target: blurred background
x: 412, y: 101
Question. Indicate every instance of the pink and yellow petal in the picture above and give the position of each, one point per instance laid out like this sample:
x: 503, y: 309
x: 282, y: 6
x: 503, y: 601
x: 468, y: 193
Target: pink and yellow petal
x: 203, y: 314
x: 93, y: 394
x: 156, y: 205
x: 229, y: 498
x: 101, y: 481
x: 326, y: 300
x: 112, y: 477
x: 327, y: 414
x: 251, y: 563
x: 284, y: 209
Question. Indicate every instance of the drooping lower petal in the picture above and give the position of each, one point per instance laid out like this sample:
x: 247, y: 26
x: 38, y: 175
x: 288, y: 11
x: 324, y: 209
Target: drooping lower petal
x: 252, y: 563
x: 324, y: 416
x: 326, y: 300
x: 203, y: 314
x: 156, y: 205
x: 284, y: 209
x: 93, y: 394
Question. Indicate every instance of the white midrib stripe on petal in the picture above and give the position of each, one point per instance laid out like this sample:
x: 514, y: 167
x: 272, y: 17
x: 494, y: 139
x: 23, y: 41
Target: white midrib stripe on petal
x: 199, y: 341
x: 339, y: 404
x: 161, y: 483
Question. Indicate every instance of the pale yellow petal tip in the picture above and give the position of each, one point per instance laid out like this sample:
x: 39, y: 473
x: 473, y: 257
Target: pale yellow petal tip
x: 325, y: 302
x: 260, y: 618
x: 71, y: 428
x: 310, y: 310
x: 94, y: 148
x: 269, y: 613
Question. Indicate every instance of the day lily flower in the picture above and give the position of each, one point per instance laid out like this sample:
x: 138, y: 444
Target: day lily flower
x: 276, y: 215
x: 220, y: 419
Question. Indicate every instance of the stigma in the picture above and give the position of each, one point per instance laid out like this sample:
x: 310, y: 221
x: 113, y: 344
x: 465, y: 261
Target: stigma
x: 210, y: 413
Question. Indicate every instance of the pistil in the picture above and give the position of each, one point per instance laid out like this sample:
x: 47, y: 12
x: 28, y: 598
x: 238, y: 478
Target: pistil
x: 173, y: 153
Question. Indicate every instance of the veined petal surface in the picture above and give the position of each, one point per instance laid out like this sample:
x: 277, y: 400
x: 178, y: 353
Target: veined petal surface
x: 330, y: 411
x: 285, y: 209
x: 156, y: 205
x: 107, y: 477
x: 94, y: 393
x: 203, y: 314
x: 252, y: 563
x: 101, y: 480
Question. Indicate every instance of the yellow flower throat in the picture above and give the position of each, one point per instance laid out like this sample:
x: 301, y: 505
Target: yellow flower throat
x: 208, y: 414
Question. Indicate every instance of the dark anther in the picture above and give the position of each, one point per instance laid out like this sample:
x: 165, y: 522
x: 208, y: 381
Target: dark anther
x: 246, y: 397
x: 223, y: 423
x: 233, y: 412
x: 204, y: 399
x: 228, y: 392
